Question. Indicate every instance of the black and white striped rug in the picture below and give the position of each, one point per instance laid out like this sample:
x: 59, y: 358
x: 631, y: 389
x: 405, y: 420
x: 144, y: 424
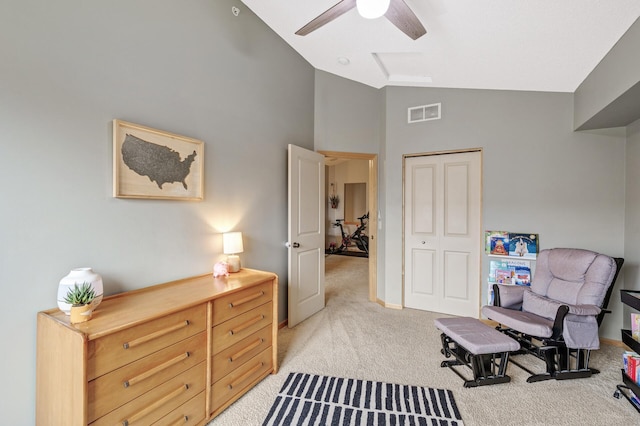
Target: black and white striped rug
x: 308, y: 399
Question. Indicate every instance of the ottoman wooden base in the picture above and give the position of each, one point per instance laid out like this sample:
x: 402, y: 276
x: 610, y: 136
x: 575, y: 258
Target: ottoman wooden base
x: 476, y: 345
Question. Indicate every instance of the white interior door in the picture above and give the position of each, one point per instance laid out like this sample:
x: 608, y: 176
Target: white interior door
x: 442, y: 235
x: 306, y: 234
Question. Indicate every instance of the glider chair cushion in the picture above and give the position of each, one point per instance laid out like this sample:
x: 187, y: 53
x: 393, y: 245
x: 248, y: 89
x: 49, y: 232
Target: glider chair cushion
x: 573, y: 276
x: 510, y: 296
x: 524, y: 322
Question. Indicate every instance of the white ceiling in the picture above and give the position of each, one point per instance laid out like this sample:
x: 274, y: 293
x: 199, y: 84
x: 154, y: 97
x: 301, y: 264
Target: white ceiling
x: 539, y: 45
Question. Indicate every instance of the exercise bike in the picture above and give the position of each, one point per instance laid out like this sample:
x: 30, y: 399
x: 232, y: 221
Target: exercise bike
x: 358, y: 237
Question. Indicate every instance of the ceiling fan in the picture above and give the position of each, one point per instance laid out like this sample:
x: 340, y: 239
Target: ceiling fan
x: 398, y: 13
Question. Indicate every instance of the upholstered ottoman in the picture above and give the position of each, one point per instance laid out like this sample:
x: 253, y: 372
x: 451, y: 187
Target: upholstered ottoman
x: 478, y: 346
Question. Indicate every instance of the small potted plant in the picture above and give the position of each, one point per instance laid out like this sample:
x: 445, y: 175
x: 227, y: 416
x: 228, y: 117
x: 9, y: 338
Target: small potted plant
x: 80, y: 298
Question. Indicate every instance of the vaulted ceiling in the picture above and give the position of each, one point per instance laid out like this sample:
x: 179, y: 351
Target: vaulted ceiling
x: 538, y: 45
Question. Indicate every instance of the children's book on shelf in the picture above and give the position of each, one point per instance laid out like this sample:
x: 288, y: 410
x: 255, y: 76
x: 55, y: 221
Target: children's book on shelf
x: 512, y: 244
x: 491, y: 239
x: 524, y: 246
x: 510, y: 271
x: 499, y: 246
x: 634, y: 399
x: 625, y: 362
x: 503, y: 276
x: 522, y: 275
x: 631, y: 363
x: 635, y: 326
x: 490, y: 294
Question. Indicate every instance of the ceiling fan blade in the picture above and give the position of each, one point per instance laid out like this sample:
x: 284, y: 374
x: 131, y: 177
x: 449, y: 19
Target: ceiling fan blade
x: 403, y: 17
x: 328, y: 16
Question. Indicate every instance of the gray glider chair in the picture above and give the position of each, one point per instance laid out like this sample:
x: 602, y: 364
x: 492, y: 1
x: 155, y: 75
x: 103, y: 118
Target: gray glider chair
x: 557, y: 318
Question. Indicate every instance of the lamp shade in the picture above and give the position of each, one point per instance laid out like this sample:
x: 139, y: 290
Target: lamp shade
x: 232, y: 242
x: 372, y: 9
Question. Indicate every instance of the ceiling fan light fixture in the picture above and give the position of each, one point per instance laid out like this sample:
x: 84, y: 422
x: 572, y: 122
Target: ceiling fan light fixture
x: 372, y: 9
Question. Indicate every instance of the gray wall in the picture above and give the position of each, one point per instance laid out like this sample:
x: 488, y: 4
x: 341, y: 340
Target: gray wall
x: 349, y: 117
x: 610, y: 95
x: 68, y: 69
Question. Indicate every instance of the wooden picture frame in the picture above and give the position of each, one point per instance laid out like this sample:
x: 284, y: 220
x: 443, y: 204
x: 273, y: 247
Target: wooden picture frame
x: 151, y: 163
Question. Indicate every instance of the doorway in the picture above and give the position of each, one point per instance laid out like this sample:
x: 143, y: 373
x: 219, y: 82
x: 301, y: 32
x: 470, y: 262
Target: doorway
x: 442, y: 232
x: 371, y: 164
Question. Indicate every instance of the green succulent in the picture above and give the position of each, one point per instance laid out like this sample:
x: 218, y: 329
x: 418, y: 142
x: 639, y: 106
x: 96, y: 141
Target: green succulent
x: 80, y: 295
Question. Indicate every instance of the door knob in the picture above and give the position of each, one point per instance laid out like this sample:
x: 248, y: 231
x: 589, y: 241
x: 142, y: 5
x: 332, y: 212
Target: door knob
x: 423, y: 242
x: 294, y: 245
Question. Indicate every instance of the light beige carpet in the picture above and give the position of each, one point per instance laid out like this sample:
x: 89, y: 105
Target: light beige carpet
x: 354, y: 338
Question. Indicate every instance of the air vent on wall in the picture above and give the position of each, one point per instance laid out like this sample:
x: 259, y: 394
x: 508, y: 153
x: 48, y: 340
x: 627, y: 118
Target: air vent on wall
x: 423, y: 113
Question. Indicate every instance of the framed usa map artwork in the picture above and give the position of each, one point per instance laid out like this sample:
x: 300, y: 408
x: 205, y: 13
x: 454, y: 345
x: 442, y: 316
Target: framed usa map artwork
x: 150, y: 163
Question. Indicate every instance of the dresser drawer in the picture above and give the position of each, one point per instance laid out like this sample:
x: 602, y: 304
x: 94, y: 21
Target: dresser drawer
x: 237, y: 328
x: 238, y: 381
x: 157, y: 403
x: 115, y: 350
x: 234, y: 356
x: 191, y: 412
x: 114, y: 389
x: 238, y: 303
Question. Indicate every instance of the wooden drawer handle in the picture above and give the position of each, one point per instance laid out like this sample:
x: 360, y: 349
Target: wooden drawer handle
x: 159, y: 333
x: 247, y: 324
x: 150, y: 408
x: 243, y: 351
x: 246, y: 375
x: 140, y: 377
x: 254, y: 296
x: 183, y: 420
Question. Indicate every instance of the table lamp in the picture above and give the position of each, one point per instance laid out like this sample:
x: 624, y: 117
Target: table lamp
x: 232, y: 245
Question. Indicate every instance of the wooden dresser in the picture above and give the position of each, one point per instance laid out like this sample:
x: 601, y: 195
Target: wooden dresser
x: 171, y: 354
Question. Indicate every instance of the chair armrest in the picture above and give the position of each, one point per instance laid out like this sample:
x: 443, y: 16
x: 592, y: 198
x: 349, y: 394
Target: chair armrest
x: 546, y: 307
x: 508, y: 296
x: 557, y: 311
x: 558, y: 323
x: 577, y: 310
x: 584, y: 310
